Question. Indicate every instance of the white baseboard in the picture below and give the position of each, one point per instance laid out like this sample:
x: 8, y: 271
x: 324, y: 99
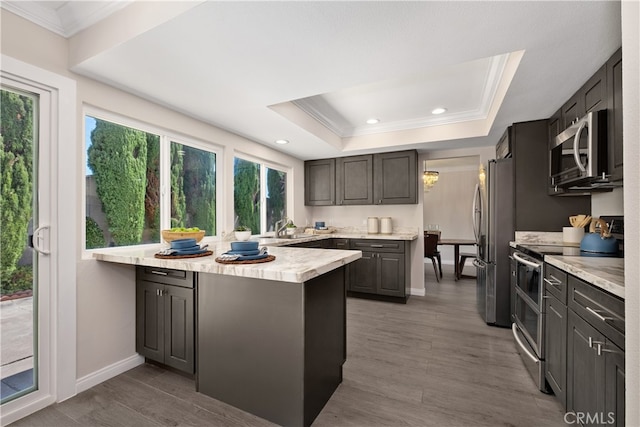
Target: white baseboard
x: 108, y: 372
x: 419, y: 292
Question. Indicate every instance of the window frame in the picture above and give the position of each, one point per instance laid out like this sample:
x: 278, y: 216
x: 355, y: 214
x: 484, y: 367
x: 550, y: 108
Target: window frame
x: 264, y: 164
x: 166, y: 136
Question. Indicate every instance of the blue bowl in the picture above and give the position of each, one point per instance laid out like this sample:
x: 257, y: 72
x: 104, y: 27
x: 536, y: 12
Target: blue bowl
x: 183, y: 243
x: 244, y: 246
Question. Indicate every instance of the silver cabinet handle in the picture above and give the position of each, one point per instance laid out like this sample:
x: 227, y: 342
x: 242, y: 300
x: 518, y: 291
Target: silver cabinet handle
x: 550, y: 283
x: 161, y: 273
x: 598, y: 315
x: 377, y: 246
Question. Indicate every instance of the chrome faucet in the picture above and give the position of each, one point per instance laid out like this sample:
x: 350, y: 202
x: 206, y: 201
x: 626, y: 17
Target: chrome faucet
x: 284, y: 223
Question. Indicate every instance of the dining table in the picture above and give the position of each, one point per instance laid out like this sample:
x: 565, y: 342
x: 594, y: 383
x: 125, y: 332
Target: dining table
x: 456, y: 243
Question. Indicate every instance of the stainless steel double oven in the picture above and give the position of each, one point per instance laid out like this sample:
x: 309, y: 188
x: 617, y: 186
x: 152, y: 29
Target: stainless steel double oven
x: 527, y: 312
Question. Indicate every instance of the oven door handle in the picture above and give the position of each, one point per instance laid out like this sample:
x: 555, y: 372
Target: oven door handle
x: 526, y: 261
x: 514, y: 328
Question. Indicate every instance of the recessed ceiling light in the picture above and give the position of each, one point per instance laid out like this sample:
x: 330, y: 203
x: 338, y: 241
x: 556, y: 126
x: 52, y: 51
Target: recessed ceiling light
x: 373, y: 121
x: 282, y: 141
x: 438, y: 110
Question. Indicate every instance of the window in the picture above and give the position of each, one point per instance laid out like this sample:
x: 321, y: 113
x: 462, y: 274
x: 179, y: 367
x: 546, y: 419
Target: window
x: 260, y: 195
x: 193, y: 188
x: 123, y: 185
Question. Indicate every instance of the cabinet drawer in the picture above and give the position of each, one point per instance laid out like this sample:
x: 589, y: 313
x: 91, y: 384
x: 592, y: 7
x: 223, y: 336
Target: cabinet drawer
x: 166, y: 276
x: 603, y: 311
x: 378, y: 245
x: 555, y: 283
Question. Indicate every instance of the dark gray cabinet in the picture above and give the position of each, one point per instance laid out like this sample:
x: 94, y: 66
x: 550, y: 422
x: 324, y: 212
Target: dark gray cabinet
x: 528, y: 141
x: 395, y: 178
x: 379, y: 179
x: 614, y: 376
x: 603, y: 91
x: 592, y: 96
x: 340, y: 244
x: 555, y: 331
x: 317, y: 244
x: 320, y: 182
x: 165, y: 317
x: 354, y: 180
x: 614, y: 117
x: 595, y: 353
x: 585, y: 368
x: 383, y: 269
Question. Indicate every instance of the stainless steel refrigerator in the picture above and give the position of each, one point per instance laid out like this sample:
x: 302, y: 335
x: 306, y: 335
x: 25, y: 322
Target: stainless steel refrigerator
x: 494, y: 225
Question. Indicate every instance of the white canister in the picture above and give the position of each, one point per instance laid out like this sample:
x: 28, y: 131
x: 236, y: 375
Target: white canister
x: 386, y: 226
x: 572, y: 234
x: 372, y: 225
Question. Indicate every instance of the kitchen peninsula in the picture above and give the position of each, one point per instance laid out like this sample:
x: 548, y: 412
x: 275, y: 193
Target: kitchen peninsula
x: 271, y: 337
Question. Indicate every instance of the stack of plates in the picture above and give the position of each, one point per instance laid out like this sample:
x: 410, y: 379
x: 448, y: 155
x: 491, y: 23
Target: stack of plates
x: 245, y: 251
x: 186, y: 247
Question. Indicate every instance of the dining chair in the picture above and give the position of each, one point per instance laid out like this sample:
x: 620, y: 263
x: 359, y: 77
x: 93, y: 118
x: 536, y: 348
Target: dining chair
x: 431, y: 251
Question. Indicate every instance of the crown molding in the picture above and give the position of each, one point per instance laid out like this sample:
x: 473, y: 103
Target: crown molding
x: 324, y: 113
x: 68, y: 19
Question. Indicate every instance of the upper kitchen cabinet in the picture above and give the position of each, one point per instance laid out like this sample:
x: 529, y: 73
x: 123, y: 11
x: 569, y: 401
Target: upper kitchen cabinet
x: 320, y: 182
x: 395, y: 178
x: 535, y: 209
x: 603, y: 91
x: 378, y: 179
x: 354, y: 180
x: 614, y: 118
x: 555, y: 125
x: 592, y: 96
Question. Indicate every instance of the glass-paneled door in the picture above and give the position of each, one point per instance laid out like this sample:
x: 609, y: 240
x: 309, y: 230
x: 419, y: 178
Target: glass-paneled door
x: 23, y: 245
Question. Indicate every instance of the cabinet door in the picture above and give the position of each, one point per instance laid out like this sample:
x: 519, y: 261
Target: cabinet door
x: 614, y: 91
x: 320, y: 182
x: 150, y: 320
x: 585, y: 369
x: 594, y: 91
x: 395, y: 178
x: 340, y: 244
x: 364, y: 274
x: 556, y: 347
x: 391, y: 278
x: 354, y: 180
x: 179, y: 328
x: 614, y: 385
x: 573, y: 109
x: 555, y: 126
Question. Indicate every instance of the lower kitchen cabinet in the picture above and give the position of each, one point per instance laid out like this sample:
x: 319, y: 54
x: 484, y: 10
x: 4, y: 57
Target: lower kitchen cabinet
x: 585, y: 369
x: 595, y: 355
x: 165, y: 317
x: 555, y: 336
x: 382, y: 271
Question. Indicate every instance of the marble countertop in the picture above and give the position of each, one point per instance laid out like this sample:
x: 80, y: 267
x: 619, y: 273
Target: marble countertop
x: 301, y: 238
x: 295, y: 265
x: 602, y: 272
x: 606, y: 273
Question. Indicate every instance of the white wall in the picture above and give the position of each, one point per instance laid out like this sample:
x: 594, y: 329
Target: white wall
x: 610, y: 203
x: 448, y: 205
x: 105, y: 293
x: 631, y: 133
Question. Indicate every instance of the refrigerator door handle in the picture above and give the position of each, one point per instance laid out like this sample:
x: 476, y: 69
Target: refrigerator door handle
x: 476, y: 213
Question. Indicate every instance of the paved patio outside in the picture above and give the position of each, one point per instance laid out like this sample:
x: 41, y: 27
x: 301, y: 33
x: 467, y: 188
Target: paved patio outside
x: 16, y: 336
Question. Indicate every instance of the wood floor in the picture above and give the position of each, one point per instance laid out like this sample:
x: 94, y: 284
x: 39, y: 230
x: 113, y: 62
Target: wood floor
x: 431, y: 362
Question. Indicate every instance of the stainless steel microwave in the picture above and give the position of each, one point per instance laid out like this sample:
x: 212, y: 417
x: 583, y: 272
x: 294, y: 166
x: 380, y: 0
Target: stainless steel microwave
x: 578, y: 155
